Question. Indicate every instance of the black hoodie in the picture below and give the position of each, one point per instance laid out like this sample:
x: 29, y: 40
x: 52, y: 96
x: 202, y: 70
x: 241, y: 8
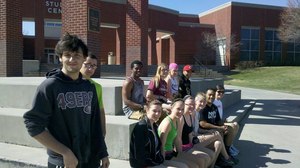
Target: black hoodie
x: 68, y: 109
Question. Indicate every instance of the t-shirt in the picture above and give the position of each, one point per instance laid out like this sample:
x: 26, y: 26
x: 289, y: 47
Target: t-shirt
x: 99, y: 93
x: 160, y: 90
x: 211, y: 115
x: 174, y: 85
x: 219, y: 104
x: 171, y: 135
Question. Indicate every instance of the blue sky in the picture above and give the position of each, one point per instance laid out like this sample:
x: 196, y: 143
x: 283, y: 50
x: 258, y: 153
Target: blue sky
x: 199, y: 6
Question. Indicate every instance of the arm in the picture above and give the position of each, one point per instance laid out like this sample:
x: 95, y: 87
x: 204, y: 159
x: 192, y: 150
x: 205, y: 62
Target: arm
x: 51, y: 143
x: 101, y: 107
x: 207, y: 125
x: 126, y: 94
x: 138, y: 141
x: 164, y: 128
x: 103, y: 121
x: 169, y: 86
x: 178, y: 139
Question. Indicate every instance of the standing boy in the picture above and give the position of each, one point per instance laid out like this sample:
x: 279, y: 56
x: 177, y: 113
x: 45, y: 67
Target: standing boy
x: 65, y: 113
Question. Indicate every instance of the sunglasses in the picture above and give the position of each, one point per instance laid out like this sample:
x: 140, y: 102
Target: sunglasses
x: 220, y: 91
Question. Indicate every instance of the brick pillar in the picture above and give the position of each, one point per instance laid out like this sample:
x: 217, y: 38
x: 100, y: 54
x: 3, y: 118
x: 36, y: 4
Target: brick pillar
x: 152, y: 55
x: 172, y: 49
x: 137, y: 33
x: 11, y: 38
x: 75, y: 20
x: 159, y: 47
x: 39, y: 30
x: 121, y: 46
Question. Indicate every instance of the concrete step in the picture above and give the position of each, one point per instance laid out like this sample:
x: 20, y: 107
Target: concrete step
x: 12, y: 130
x: 237, y: 111
x: 17, y: 156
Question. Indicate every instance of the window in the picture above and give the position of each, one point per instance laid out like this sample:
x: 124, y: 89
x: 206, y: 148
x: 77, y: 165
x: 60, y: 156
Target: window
x: 52, y: 28
x: 272, y: 47
x: 28, y: 28
x: 52, y: 58
x: 53, y: 24
x: 293, y: 53
x: 250, y: 44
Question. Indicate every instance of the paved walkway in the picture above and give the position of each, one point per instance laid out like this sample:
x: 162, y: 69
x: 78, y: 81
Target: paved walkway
x: 270, y: 134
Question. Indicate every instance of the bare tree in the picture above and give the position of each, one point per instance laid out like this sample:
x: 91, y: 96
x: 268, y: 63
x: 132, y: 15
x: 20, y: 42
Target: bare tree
x: 206, y: 48
x: 218, y: 43
x: 289, y: 30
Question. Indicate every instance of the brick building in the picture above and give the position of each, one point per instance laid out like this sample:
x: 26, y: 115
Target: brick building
x: 119, y: 31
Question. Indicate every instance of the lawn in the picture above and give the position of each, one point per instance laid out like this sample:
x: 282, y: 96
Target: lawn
x: 283, y: 79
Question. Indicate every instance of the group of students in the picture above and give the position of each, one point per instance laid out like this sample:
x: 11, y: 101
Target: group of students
x: 175, y: 128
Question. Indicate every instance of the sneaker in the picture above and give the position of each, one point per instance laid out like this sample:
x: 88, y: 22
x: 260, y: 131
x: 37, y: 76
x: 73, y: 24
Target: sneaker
x: 232, y: 152
x: 235, y: 149
x: 235, y: 160
x: 222, y: 162
x: 216, y: 166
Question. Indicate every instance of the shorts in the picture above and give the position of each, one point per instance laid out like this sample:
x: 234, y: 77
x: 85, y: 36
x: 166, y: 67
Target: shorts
x: 135, y: 115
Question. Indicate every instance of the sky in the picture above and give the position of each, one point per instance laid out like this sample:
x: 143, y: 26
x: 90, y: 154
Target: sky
x: 199, y: 6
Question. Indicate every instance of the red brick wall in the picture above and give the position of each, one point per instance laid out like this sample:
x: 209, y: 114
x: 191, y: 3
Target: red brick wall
x: 187, y: 45
x: 136, y: 33
x: 11, y: 40
x: 265, y: 18
x: 163, y: 20
x: 75, y: 21
x: 114, y: 13
x: 229, y: 20
x: 189, y: 18
x: 222, y: 21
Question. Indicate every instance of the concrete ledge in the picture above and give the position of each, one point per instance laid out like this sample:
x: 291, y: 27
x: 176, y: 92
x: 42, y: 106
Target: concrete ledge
x: 231, y: 97
x: 13, y: 87
x: 202, y: 84
x: 16, y: 156
x: 12, y: 130
x: 118, y: 130
x: 238, y: 111
x: 12, y: 156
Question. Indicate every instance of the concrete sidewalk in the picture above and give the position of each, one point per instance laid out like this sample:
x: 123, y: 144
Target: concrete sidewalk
x: 269, y: 133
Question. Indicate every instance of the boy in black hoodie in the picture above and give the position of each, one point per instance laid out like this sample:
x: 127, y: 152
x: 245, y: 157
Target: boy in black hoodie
x: 65, y: 115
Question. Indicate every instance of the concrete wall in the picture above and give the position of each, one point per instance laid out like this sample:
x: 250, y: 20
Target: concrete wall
x: 31, y: 65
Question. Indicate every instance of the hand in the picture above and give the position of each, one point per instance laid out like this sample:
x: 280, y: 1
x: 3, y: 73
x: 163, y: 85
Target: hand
x: 105, y: 162
x: 162, y: 98
x: 70, y: 160
x: 225, y: 127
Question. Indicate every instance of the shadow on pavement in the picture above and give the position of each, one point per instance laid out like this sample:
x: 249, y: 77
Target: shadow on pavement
x: 255, y: 155
x: 275, y: 112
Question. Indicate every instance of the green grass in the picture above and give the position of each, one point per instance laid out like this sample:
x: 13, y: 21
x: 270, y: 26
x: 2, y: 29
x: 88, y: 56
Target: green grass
x: 283, y: 79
